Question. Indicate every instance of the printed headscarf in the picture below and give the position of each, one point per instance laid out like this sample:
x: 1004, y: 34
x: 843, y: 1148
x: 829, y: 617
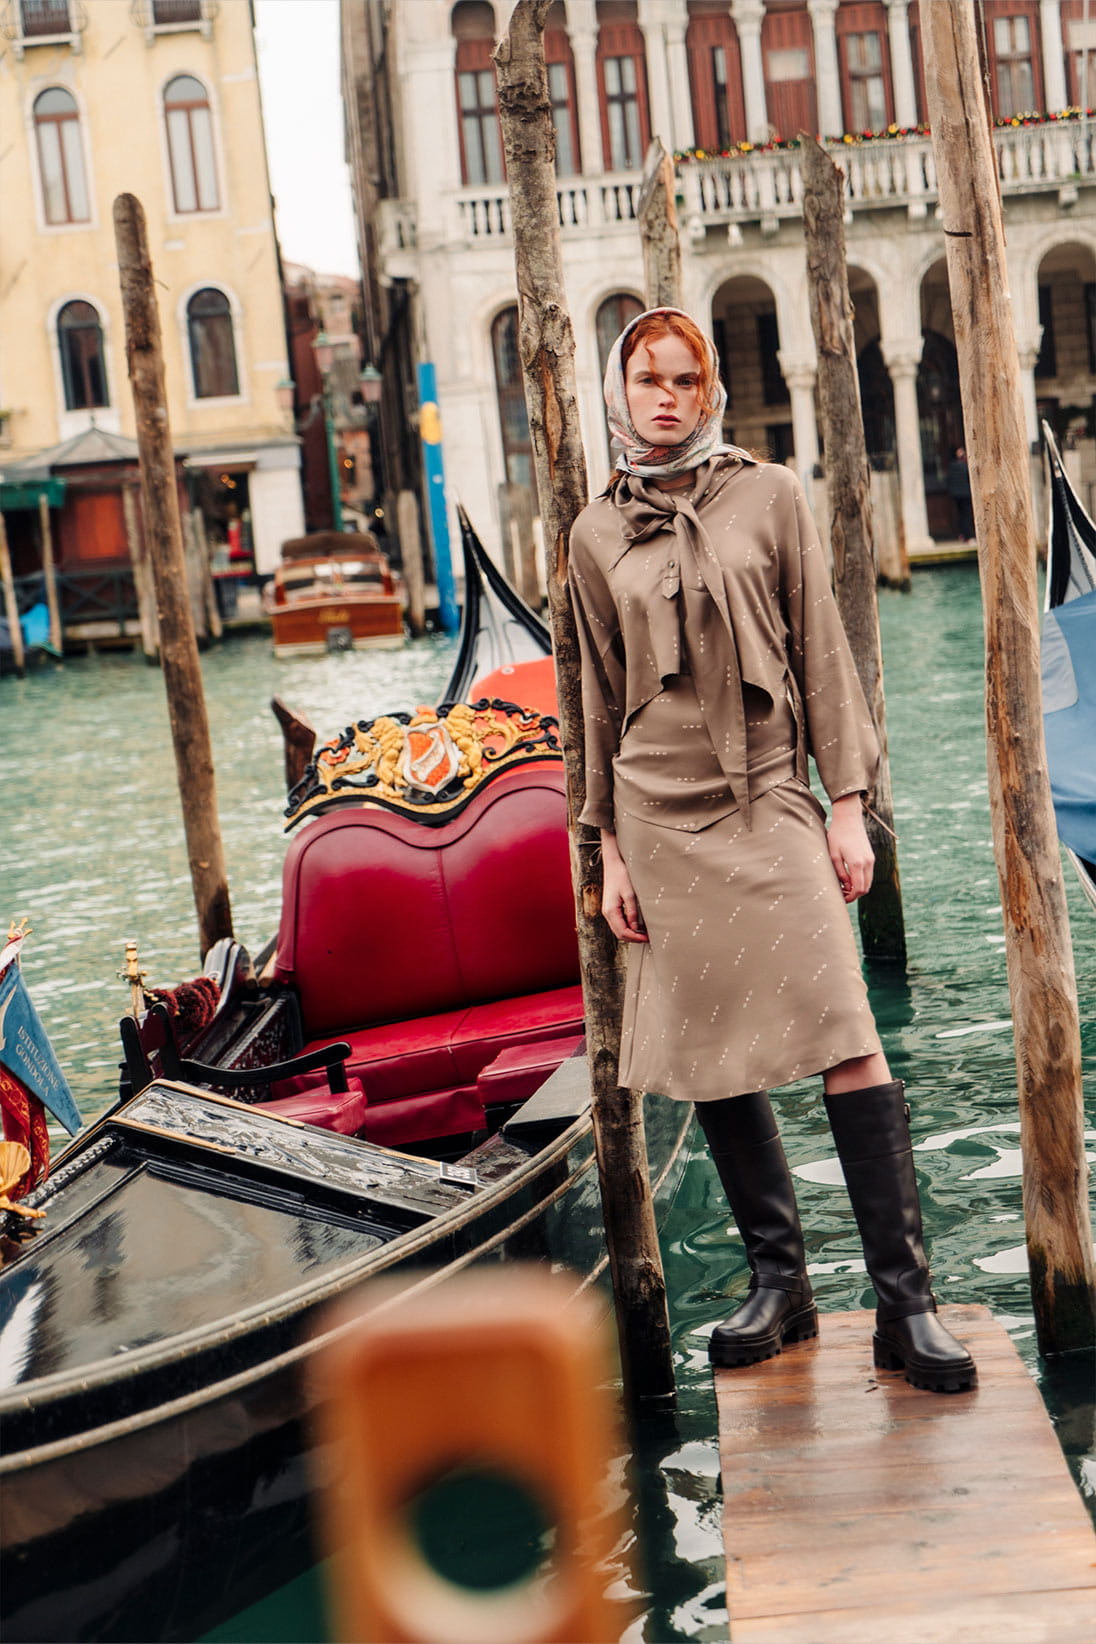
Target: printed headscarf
x: 633, y: 455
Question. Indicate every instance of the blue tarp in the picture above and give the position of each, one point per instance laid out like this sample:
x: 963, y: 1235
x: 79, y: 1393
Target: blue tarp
x: 1069, y: 717
x: 26, y: 1051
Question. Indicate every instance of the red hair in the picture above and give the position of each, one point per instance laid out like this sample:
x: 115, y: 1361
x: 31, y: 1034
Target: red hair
x: 650, y: 327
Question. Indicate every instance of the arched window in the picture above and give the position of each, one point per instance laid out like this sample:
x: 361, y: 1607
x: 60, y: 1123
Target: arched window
x: 212, y: 345
x: 190, y: 145
x: 612, y: 316
x: 516, y: 444
x: 61, y: 157
x: 715, y: 75
x: 83, y: 368
x: 622, y: 68
x: 473, y: 23
x: 561, y: 91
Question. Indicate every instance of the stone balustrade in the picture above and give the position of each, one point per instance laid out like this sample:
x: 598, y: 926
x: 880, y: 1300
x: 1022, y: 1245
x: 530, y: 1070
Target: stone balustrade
x: 766, y: 186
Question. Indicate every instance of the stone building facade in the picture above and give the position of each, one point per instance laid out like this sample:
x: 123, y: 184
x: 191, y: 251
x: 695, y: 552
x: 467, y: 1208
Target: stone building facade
x: 159, y: 98
x: 725, y: 84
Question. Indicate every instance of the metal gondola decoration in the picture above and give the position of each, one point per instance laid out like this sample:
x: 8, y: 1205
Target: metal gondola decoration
x: 1069, y: 669
x: 428, y: 764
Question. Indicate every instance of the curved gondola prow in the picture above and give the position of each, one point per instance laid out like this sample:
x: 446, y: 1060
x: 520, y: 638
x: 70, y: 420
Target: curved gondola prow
x: 497, y: 627
x: 1071, y: 575
x: 1071, y: 534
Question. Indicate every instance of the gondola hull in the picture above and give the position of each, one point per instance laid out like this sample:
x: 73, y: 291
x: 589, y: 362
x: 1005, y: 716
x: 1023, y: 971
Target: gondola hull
x: 147, y: 1506
x: 1069, y: 669
x: 159, y: 1328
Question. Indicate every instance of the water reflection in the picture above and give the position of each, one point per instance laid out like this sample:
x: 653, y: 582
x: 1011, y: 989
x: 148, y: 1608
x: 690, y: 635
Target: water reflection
x: 93, y: 851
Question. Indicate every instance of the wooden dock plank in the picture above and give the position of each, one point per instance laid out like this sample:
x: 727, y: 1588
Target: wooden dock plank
x: 858, y: 1510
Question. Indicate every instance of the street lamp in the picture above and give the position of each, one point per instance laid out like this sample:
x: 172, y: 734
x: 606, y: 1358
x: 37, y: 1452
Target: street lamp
x: 324, y: 350
x: 371, y: 383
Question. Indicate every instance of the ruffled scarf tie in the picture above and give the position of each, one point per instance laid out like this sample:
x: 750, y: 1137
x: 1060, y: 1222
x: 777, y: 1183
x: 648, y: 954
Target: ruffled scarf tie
x: 650, y: 510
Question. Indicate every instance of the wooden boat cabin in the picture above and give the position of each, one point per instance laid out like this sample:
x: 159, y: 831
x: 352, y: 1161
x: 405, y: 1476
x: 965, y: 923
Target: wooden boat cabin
x: 334, y: 591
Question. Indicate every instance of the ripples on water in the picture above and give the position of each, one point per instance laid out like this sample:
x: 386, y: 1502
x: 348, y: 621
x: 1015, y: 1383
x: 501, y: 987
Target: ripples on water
x: 93, y: 853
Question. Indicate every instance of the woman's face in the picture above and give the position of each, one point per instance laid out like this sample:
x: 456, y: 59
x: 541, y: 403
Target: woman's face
x: 662, y: 383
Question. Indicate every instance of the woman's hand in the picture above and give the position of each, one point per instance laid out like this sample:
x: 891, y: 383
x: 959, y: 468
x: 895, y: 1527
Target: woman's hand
x: 618, y: 899
x: 850, y: 848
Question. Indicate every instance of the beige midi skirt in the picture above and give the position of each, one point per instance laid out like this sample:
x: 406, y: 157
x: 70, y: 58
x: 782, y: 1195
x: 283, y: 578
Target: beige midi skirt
x: 751, y: 977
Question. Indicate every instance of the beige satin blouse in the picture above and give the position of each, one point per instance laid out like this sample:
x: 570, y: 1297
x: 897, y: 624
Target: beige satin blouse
x: 726, y: 582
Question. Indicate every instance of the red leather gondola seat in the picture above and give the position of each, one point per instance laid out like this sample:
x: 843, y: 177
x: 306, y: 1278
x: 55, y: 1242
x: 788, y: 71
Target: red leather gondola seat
x: 434, y: 949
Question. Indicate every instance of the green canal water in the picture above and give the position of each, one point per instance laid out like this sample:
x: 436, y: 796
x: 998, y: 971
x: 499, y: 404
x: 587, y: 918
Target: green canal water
x: 92, y: 851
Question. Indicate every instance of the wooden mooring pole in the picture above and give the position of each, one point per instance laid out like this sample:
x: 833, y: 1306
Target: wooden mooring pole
x: 49, y: 575
x: 546, y: 344
x: 178, y: 645
x: 11, y: 604
x: 1042, y: 984
x: 657, y: 214
x: 882, y: 925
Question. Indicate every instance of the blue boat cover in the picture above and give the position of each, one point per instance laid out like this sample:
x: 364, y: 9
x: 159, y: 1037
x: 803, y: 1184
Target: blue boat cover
x: 1069, y: 716
x: 27, y: 1053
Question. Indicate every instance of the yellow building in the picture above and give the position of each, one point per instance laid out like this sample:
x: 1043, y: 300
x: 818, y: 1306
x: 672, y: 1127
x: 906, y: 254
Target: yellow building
x: 158, y: 98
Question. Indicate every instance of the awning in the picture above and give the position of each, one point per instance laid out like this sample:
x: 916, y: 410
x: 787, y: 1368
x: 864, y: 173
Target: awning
x: 234, y: 462
x: 15, y: 494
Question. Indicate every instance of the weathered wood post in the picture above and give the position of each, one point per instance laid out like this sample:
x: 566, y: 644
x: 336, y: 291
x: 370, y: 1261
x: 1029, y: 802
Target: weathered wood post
x: 657, y: 213
x: 11, y: 604
x: 49, y: 574
x: 142, y: 577
x: 1042, y: 985
x: 882, y: 926
x: 410, y: 539
x: 546, y: 343
x: 212, y: 610
x: 298, y: 737
x: 178, y: 646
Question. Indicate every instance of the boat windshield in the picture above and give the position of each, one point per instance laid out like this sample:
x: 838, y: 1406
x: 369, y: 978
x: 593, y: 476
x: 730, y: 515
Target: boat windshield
x: 300, y: 578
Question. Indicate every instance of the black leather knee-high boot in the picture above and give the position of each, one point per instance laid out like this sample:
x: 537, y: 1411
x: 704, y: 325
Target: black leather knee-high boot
x: 871, y: 1130
x: 749, y: 1156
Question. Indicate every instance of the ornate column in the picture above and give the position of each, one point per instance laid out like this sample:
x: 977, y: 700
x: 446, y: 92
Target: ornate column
x: 1028, y: 357
x: 902, y: 359
x: 831, y: 120
x: 903, y: 82
x: 677, y: 62
x: 1054, y: 56
x: 582, y: 33
x: 747, y: 15
x: 650, y: 17
x: 800, y: 377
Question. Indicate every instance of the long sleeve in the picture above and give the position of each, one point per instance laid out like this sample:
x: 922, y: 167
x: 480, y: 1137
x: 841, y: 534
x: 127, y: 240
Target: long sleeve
x: 840, y: 732
x: 603, y: 681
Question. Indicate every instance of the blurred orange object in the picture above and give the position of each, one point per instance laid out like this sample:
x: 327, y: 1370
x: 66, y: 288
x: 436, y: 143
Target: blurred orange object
x: 471, y: 1434
x: 529, y: 684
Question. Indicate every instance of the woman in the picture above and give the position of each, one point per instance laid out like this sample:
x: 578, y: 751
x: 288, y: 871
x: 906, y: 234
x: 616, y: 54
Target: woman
x: 713, y: 660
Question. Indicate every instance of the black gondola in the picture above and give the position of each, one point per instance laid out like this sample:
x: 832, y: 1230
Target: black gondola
x: 1069, y: 668
x: 157, y: 1327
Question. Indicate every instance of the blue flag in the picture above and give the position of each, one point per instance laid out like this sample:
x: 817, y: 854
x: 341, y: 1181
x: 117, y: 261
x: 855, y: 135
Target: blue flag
x: 27, y: 1053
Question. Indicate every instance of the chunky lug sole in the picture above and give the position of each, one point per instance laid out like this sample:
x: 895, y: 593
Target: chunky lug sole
x: 956, y: 1378
x: 735, y: 1355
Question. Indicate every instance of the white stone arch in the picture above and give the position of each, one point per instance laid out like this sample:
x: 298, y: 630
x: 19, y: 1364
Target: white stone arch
x: 208, y: 85
x: 452, y: 7
x: 789, y: 297
x: 590, y: 390
x: 60, y: 81
x: 753, y: 415
x: 592, y: 307
x: 1024, y: 274
x: 239, y: 338
x: 492, y: 313
x: 102, y: 416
